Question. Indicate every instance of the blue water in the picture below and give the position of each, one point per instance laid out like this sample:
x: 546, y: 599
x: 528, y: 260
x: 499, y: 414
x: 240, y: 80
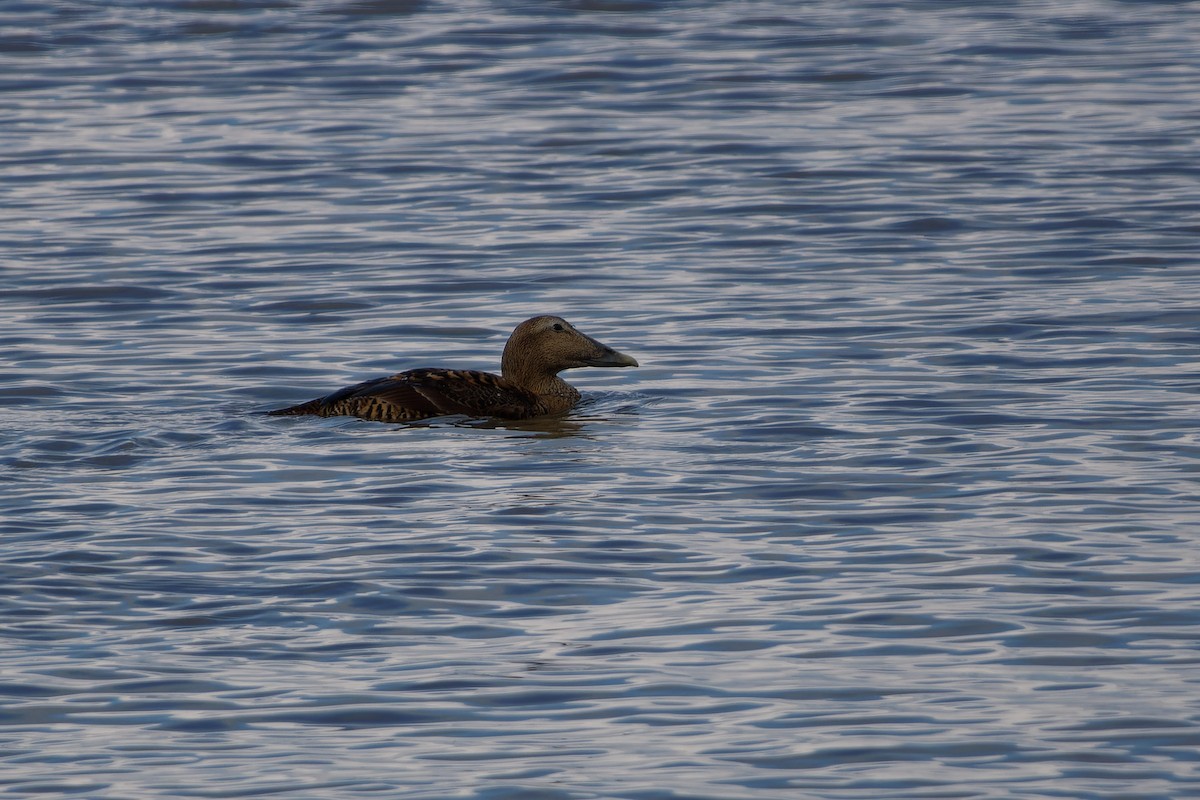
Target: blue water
x: 901, y: 503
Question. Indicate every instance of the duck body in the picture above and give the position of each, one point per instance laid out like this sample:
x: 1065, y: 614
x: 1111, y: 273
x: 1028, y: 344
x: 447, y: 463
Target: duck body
x: 529, y: 385
x: 422, y: 393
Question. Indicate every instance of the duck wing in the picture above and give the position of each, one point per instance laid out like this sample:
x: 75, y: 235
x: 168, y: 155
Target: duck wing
x: 386, y: 399
x: 421, y: 393
x: 477, y: 394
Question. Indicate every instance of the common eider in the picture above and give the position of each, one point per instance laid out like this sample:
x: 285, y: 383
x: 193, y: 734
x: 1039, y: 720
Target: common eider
x: 527, y: 386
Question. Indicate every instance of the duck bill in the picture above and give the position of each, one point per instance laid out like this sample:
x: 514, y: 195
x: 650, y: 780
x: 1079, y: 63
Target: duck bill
x: 611, y: 358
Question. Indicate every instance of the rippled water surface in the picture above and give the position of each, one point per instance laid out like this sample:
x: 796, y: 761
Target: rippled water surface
x: 901, y: 503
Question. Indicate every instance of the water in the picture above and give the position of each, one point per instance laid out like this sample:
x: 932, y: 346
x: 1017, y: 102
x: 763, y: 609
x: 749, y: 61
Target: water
x: 900, y: 504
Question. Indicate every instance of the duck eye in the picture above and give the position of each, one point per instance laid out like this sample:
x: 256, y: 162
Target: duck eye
x: 558, y: 326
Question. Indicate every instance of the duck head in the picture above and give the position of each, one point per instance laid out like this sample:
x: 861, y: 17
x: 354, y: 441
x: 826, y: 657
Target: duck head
x: 544, y: 346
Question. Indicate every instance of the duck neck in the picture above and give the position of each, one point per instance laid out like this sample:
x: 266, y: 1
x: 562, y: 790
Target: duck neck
x: 550, y: 388
x: 540, y: 383
x: 556, y: 395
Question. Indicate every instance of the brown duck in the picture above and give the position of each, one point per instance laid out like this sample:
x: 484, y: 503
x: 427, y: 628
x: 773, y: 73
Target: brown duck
x: 527, y: 386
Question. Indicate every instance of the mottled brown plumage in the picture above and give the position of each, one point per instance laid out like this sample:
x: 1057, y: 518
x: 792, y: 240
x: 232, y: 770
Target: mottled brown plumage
x: 528, y: 385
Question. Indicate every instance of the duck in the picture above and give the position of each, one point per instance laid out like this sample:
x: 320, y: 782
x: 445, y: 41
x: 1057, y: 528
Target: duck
x: 528, y: 384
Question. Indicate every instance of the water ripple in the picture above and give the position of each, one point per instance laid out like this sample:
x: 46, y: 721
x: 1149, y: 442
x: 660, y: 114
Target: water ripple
x: 899, y: 504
